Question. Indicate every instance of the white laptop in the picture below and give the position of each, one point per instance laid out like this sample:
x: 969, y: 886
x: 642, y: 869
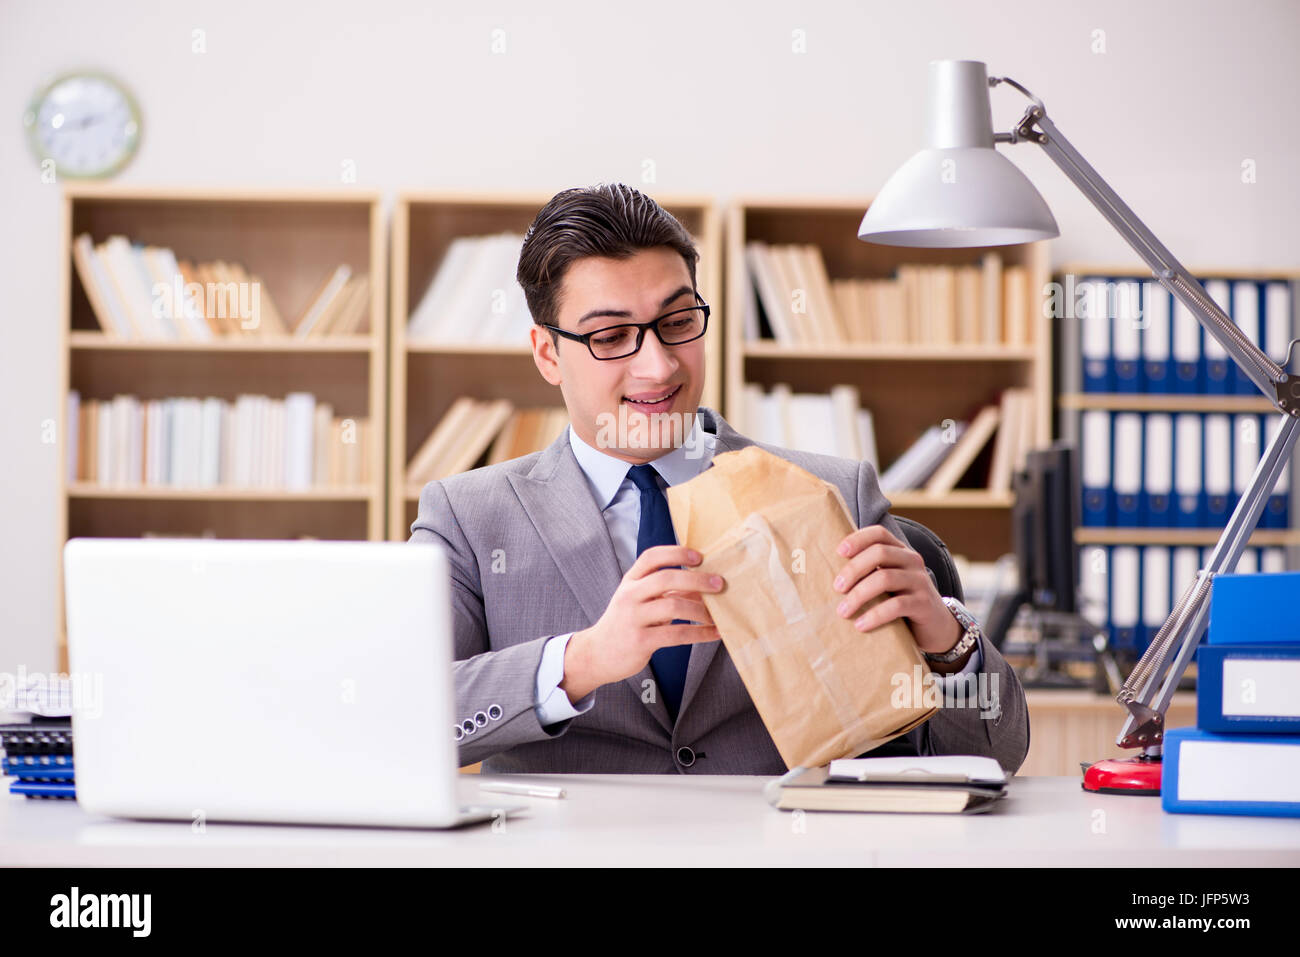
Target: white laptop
x: 272, y: 681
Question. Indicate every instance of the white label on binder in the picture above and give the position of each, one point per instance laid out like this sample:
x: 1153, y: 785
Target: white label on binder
x: 1155, y: 334
x: 1127, y: 323
x: 1155, y: 585
x: 1245, y: 451
x: 1218, y: 454
x: 1128, y: 453
x: 1218, y: 291
x: 1277, y: 319
x: 1187, y: 472
x: 1159, y: 453
x: 1096, y: 449
x: 1187, y: 334
x: 1124, y: 568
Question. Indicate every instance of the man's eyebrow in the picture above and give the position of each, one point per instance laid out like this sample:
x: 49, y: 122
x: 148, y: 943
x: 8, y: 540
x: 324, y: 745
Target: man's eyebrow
x: 624, y: 314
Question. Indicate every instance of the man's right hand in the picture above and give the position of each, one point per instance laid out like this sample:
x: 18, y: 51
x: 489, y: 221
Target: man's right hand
x: 638, y: 620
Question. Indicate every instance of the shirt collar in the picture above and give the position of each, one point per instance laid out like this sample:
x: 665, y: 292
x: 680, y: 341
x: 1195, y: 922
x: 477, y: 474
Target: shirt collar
x: 605, y: 473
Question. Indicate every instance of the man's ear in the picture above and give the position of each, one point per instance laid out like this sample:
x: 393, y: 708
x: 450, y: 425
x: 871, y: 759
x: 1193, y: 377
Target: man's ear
x: 544, y: 356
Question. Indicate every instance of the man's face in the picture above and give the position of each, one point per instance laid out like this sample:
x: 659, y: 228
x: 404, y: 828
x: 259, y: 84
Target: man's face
x: 607, y: 400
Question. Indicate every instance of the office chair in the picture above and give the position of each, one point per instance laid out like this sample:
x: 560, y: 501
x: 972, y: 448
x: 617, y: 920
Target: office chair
x: 938, y: 562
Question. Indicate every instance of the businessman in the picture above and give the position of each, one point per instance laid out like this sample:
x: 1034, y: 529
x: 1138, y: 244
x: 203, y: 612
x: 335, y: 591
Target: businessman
x: 581, y: 638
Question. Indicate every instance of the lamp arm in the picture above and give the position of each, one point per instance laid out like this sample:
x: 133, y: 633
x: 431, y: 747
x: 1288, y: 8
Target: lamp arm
x: 1150, y: 688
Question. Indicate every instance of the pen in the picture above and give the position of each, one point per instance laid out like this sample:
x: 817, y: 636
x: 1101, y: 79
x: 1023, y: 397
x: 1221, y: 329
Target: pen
x: 531, y: 790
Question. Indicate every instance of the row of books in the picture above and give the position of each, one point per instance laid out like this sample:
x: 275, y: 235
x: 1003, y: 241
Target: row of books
x: 139, y: 292
x: 1135, y: 337
x: 474, y: 295
x: 1130, y: 589
x: 825, y: 423
x: 255, y: 441
x: 1243, y: 755
x: 834, y: 424
x: 791, y: 294
x: 474, y: 428
x: 1187, y: 470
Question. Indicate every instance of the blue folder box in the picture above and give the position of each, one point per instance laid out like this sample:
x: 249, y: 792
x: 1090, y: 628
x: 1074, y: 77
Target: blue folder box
x: 1255, y: 609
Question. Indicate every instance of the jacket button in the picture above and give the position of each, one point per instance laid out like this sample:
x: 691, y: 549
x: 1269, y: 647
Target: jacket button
x: 481, y: 719
x: 685, y: 757
x: 468, y: 726
x: 494, y: 711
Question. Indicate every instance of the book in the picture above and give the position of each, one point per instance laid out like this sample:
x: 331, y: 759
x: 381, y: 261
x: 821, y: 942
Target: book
x: 965, y: 451
x: 950, y: 784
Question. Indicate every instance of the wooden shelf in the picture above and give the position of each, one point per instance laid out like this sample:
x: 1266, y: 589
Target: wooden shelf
x: 857, y: 352
x: 1178, y: 536
x: 91, y: 341
x: 957, y: 498
x: 89, y: 490
x: 466, y: 348
x: 291, y: 240
x: 907, y: 386
x: 1152, y: 402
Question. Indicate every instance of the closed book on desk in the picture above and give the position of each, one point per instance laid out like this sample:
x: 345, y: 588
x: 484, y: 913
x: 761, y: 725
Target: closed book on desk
x: 1248, y: 689
x: 1208, y: 773
x: 1254, y: 609
x: 949, y: 784
x: 43, y: 789
x: 41, y: 736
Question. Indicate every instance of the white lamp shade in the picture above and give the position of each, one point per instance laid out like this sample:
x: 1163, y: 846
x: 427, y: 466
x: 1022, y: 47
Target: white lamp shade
x: 959, y: 191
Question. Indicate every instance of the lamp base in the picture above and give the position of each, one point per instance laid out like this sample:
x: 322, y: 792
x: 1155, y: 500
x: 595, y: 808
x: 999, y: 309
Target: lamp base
x: 1140, y: 776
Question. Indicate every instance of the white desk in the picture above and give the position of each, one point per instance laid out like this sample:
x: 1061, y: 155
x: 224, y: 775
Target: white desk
x: 671, y: 820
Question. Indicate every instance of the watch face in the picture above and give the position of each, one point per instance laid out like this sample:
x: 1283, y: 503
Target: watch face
x: 86, y: 123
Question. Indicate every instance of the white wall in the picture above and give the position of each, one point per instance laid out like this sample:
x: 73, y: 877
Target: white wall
x: 710, y: 92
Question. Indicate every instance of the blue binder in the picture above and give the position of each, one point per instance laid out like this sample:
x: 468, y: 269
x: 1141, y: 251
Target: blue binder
x: 1189, y: 470
x: 1219, y: 378
x: 1277, y: 510
x: 1251, y: 609
x: 1157, y: 336
x: 1185, y: 347
x: 1095, y: 469
x: 1217, y: 451
x: 1094, y: 332
x: 1210, y: 689
x: 1179, y: 768
x: 1246, y: 314
x: 1126, y: 334
x: 1126, y: 469
x: 1157, y: 469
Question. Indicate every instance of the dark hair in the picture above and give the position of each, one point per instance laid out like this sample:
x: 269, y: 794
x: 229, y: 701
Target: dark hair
x: 609, y: 220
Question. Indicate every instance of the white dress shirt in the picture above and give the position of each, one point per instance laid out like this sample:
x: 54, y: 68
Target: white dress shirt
x: 620, y: 503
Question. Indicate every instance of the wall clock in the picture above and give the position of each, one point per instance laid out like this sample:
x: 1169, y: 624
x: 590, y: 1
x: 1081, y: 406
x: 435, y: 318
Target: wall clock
x: 86, y: 122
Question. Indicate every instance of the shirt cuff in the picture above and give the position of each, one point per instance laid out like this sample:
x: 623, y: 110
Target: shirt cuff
x: 553, y: 705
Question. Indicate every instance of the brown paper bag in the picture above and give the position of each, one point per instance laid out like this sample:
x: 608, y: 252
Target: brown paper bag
x: 823, y: 689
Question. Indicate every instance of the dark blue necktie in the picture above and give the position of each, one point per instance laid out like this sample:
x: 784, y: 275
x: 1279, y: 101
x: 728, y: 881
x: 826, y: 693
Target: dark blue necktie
x: 656, y: 528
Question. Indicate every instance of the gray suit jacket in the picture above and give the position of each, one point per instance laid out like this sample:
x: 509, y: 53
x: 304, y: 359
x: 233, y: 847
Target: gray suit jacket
x: 531, y: 557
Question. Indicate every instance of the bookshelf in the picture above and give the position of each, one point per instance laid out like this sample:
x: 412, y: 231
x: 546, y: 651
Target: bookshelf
x: 426, y: 378
x: 907, y: 387
x: 1155, y: 374
x: 289, y: 240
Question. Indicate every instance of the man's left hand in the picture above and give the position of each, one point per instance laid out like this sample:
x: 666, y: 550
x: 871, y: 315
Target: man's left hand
x: 879, y: 564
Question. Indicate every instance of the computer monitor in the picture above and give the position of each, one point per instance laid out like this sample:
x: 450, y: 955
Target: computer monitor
x: 1043, y: 519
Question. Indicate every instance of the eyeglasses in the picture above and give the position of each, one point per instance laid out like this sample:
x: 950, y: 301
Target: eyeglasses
x: 619, y: 342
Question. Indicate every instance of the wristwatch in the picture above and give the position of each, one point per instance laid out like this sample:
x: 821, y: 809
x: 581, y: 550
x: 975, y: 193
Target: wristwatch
x: 968, y: 638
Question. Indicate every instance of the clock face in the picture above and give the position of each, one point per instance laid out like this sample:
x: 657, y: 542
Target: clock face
x: 86, y: 123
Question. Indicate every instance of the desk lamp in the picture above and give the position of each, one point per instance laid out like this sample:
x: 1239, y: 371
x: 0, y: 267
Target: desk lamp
x: 959, y: 191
